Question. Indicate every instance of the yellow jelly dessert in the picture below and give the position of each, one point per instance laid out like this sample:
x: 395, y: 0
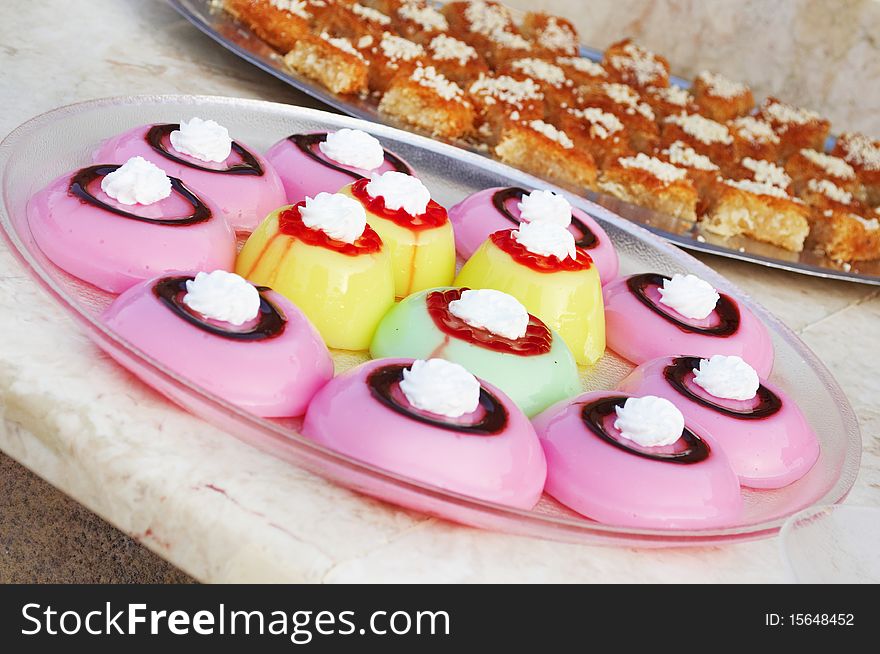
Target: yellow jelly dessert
x: 562, y: 289
x: 414, y: 228
x: 322, y: 255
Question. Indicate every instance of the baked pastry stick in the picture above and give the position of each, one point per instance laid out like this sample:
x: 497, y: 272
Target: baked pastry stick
x: 543, y: 150
x: 279, y: 23
x: 807, y: 164
x: 797, y: 128
x: 651, y: 183
x: 720, y: 98
x: 840, y: 226
x: 757, y: 210
x: 551, y: 34
x: 331, y: 61
x: 632, y: 64
x: 426, y: 99
x: 863, y: 154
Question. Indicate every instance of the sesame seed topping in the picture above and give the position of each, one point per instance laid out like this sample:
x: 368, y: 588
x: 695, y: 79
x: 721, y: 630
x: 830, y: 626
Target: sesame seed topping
x: 446, y: 48
x: 786, y: 114
x: 506, y: 89
x: 767, y: 172
x: 720, y: 86
x: 557, y: 36
x: 487, y: 17
x: 758, y: 188
x: 370, y: 14
x: 681, y: 154
x: 861, y: 150
x: 551, y: 133
x: 602, y: 123
x: 665, y: 172
x: 704, y: 130
x: 641, y: 63
x: 541, y: 70
x: 627, y: 96
x: 398, y: 48
x: 830, y: 190
x: 583, y: 65
x: 672, y: 94
x: 426, y: 16
x: 428, y: 77
x: 295, y: 7
x: 755, y: 130
x: 343, y: 44
x: 834, y: 166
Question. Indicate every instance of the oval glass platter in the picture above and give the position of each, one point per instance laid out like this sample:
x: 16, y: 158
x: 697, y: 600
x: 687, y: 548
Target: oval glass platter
x: 64, y: 139
x: 218, y: 25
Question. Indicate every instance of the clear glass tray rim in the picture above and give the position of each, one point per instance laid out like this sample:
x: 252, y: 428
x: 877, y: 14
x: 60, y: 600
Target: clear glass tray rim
x: 512, y: 520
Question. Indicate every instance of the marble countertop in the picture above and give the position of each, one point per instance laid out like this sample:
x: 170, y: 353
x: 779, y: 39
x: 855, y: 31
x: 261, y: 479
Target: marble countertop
x: 222, y: 511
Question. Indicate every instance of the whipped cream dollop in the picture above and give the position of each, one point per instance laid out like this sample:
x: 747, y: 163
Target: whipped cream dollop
x: 547, y: 239
x: 691, y: 296
x: 441, y: 387
x: 545, y: 205
x: 137, y: 181
x: 224, y: 296
x: 400, y: 191
x: 338, y: 216
x: 353, y: 147
x: 492, y: 310
x: 650, y: 421
x: 727, y: 377
x: 205, y: 140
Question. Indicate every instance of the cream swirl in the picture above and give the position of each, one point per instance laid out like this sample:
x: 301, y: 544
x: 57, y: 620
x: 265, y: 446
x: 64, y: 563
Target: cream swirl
x: 547, y: 239
x: 492, y: 310
x: 223, y: 296
x: 545, y: 205
x: 727, y: 377
x: 689, y: 295
x: 353, y: 147
x: 137, y: 181
x: 338, y: 216
x: 205, y: 140
x: 400, y: 191
x: 650, y: 421
x: 440, y: 387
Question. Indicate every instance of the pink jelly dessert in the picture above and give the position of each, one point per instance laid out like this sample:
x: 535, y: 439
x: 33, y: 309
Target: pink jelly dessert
x: 594, y: 470
x: 243, y: 185
x: 767, y: 439
x: 486, y: 212
x: 490, y: 453
x: 306, y: 165
x: 113, y: 245
x: 641, y: 327
x: 270, y: 364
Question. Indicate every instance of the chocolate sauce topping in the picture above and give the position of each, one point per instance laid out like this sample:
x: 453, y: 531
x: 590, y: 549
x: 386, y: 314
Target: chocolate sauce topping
x: 248, y: 166
x: 82, y: 179
x: 383, y: 379
x: 675, y: 373
x: 726, y: 309
x: 587, y: 240
x: 594, y: 413
x: 307, y: 143
x: 271, y: 321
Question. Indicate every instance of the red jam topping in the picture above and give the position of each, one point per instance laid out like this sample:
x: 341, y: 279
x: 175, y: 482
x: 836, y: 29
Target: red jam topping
x: 537, y: 340
x: 434, y: 216
x: 505, y: 241
x: 290, y: 223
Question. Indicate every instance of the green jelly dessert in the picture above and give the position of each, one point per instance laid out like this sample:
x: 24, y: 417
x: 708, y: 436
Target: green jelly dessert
x: 488, y: 332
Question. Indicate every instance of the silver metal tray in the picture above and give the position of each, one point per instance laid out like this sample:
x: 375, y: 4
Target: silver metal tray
x: 63, y: 140
x: 238, y: 39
